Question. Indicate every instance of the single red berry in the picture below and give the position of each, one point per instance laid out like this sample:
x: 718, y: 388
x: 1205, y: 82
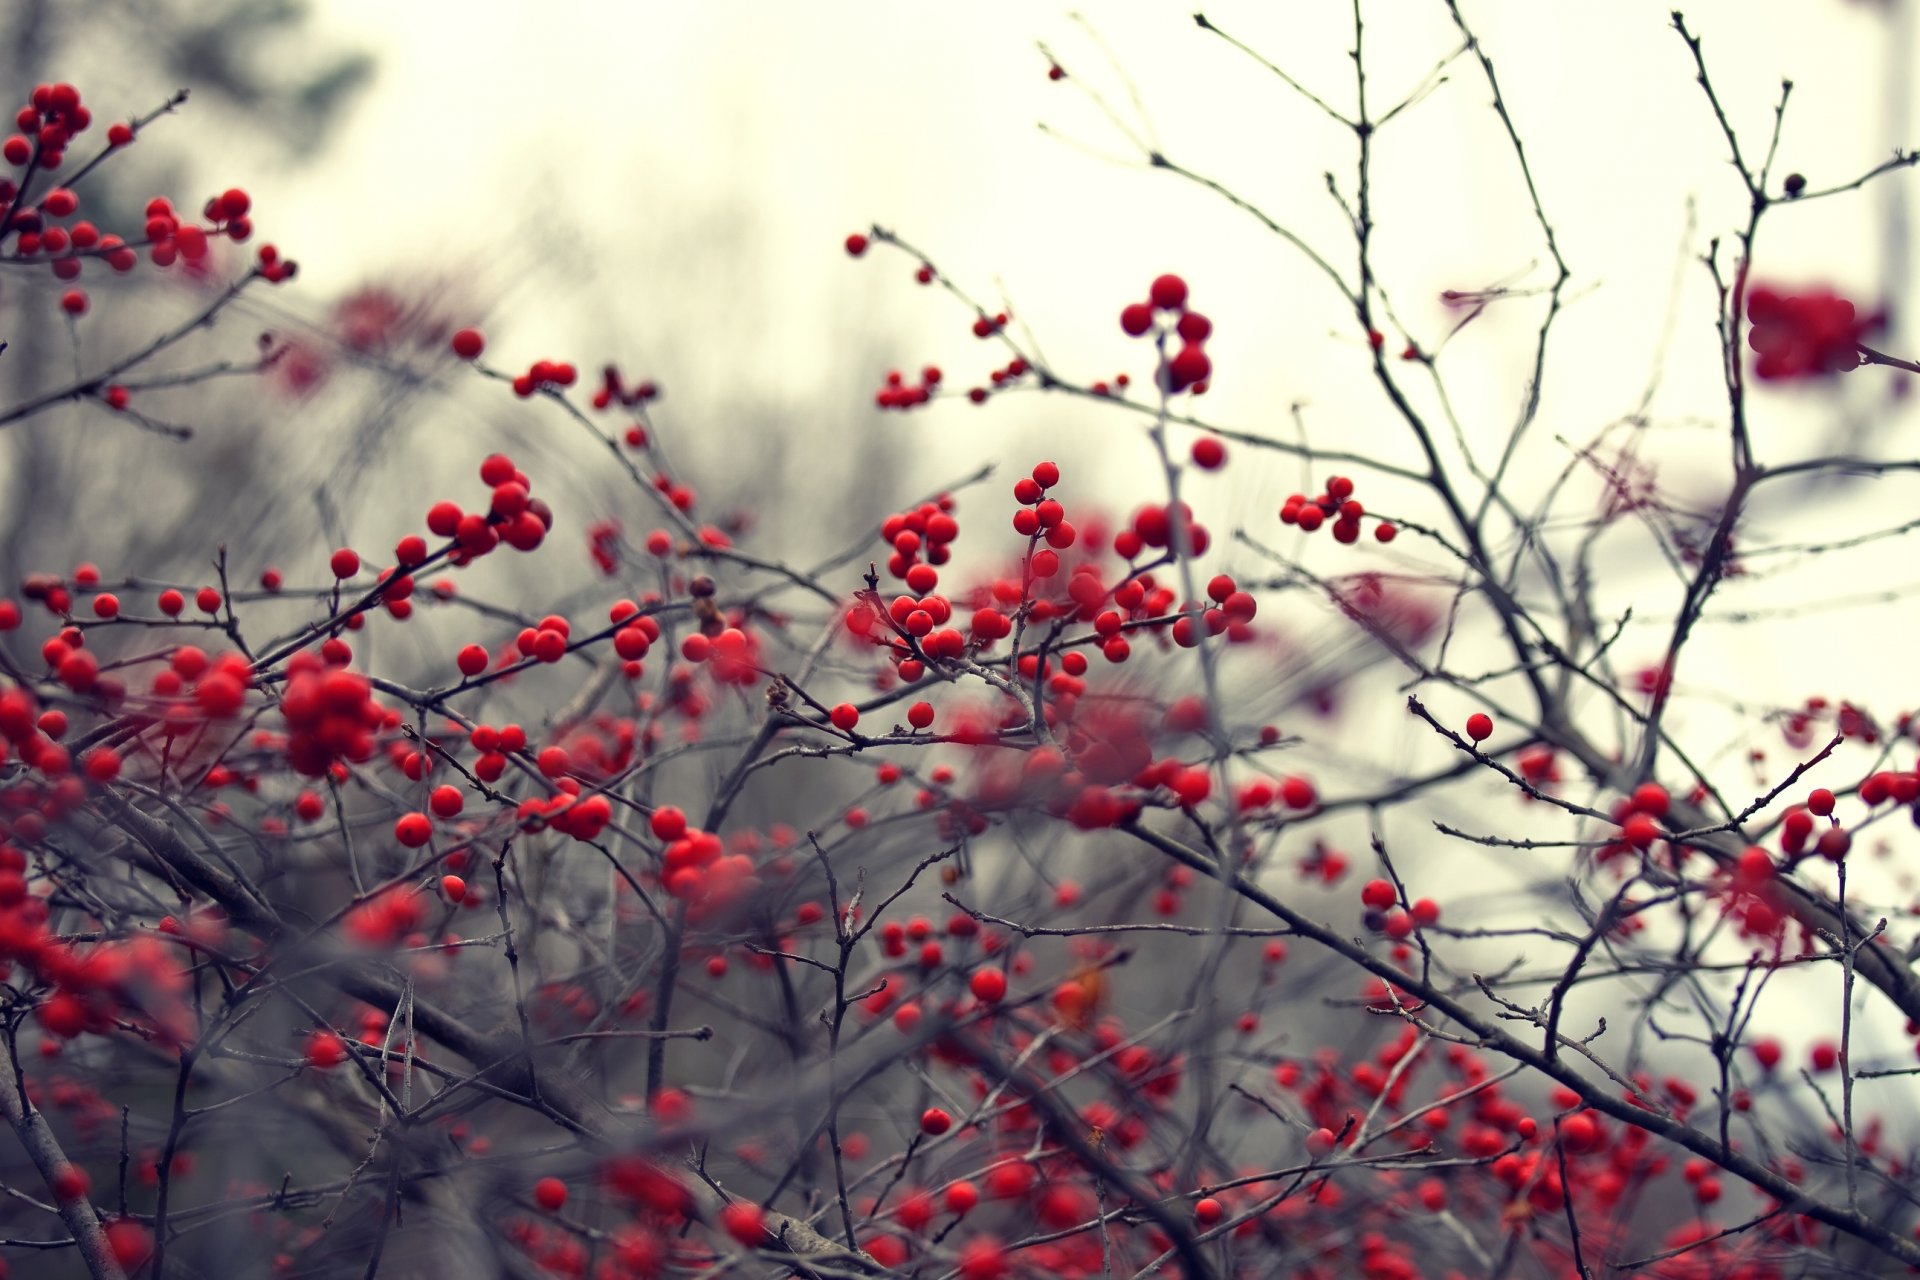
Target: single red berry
x: 920, y: 715
x: 468, y: 344
x: 1135, y: 319
x: 745, y: 1222
x: 1379, y: 894
x: 74, y: 302
x: 130, y: 1242
x: 1651, y: 798
x: 473, y: 660
x: 345, y: 563
x: 668, y: 822
x: 1479, y: 726
x: 208, y: 599
x: 446, y: 801
x: 550, y: 1194
x: 856, y: 245
x: 171, y: 602
x: 989, y: 986
x: 934, y: 1122
x: 844, y: 717
x: 1297, y: 793
x: 325, y: 1049
x: 1207, y: 1211
x: 454, y: 887
x: 413, y: 829
x: 1209, y: 454
x: 70, y: 1182
x: 106, y: 605
x: 1820, y: 801
x: 1168, y: 292
x: 1640, y: 831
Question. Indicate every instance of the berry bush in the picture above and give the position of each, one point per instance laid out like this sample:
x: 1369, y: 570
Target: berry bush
x: 1051, y: 882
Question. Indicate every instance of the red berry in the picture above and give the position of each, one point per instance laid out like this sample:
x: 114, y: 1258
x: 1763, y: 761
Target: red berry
x: 989, y: 986
x: 413, y: 829
x: 454, y: 887
x: 934, y: 1122
x: 1834, y: 843
x: 208, y: 600
x: 468, y: 344
x: 74, y: 302
x: 1136, y: 318
x: 70, y: 1182
x: 1168, y: 292
x: 1479, y: 726
x: 745, y: 1222
x: 856, y: 245
x: 844, y: 717
x: 1651, y: 798
x: 1208, y: 1211
x: 473, y: 660
x: 1379, y: 894
x: 550, y: 1194
x: 1640, y: 831
x: 1297, y: 793
x: 345, y: 563
x: 324, y: 1049
x: 1208, y: 453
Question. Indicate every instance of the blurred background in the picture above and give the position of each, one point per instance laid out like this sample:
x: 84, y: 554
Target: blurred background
x: 667, y: 188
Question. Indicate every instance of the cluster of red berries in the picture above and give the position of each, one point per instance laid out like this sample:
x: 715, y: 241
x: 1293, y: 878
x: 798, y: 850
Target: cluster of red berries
x: 389, y: 919
x: 48, y: 124
x: 513, y: 516
x: 544, y: 375
x: 1806, y: 335
x: 928, y: 530
x: 1152, y: 526
x: 1638, y: 817
x: 613, y: 391
x: 898, y: 393
x: 695, y: 866
x: 1041, y: 518
x: 1337, y: 504
x: 1385, y: 915
x: 1189, y: 368
x: 1012, y: 371
x: 330, y: 713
